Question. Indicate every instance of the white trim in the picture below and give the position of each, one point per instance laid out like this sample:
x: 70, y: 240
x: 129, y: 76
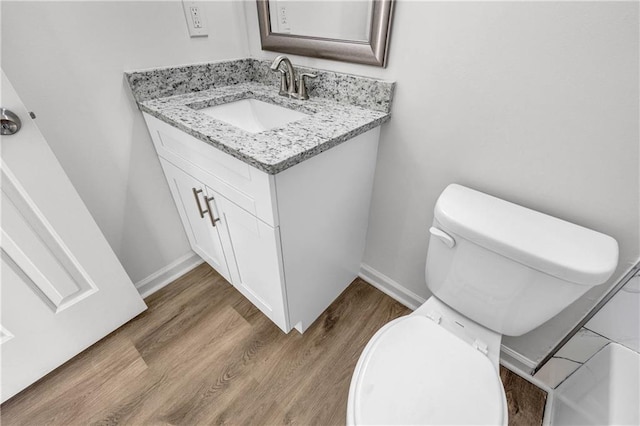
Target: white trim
x: 390, y: 287
x: 41, y: 226
x: 547, y: 417
x: 517, y: 357
x: 5, y: 335
x: 154, y: 282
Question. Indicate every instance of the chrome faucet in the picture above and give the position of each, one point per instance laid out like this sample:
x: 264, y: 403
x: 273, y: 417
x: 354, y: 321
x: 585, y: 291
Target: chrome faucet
x: 287, y: 78
x: 289, y: 85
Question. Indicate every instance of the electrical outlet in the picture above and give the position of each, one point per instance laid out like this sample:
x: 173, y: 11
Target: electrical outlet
x: 195, y: 16
x: 195, y: 19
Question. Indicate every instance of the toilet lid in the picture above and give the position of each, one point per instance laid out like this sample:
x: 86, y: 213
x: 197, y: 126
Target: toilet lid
x: 415, y: 372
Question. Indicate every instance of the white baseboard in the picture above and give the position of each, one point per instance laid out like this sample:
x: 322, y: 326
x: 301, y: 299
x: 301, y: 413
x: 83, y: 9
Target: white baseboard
x: 390, y: 287
x: 514, y: 360
x: 154, y: 282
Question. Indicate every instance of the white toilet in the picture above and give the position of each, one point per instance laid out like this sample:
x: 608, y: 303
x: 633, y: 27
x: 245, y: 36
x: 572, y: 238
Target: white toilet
x: 494, y: 268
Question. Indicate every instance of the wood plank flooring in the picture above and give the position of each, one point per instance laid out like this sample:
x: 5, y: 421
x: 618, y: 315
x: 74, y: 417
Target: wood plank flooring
x: 202, y: 354
x: 525, y: 401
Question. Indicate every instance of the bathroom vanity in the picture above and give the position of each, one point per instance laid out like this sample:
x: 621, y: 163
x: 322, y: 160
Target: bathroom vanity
x: 272, y: 192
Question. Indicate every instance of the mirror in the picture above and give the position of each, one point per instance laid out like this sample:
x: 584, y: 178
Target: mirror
x: 351, y: 30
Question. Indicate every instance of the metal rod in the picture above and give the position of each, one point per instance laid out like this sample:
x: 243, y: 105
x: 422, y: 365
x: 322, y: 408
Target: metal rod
x: 210, y: 210
x: 195, y: 194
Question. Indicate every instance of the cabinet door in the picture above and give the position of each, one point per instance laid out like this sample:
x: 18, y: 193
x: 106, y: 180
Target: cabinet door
x: 255, y: 260
x: 198, y: 218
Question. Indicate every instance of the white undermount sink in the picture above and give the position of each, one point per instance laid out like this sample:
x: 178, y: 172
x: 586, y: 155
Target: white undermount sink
x: 252, y: 115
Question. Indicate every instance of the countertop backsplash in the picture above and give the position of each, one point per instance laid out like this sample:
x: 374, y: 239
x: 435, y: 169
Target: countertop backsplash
x: 364, y: 92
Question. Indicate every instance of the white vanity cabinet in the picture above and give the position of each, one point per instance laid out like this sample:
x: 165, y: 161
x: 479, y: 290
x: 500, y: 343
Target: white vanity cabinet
x: 243, y: 249
x: 290, y: 242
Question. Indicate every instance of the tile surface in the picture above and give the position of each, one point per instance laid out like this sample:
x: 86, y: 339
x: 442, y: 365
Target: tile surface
x: 619, y: 319
x: 582, y: 346
x: 554, y: 371
x: 604, y: 391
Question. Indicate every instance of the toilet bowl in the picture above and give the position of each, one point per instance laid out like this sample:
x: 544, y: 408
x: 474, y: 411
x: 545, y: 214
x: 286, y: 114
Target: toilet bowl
x: 429, y: 365
x: 494, y: 268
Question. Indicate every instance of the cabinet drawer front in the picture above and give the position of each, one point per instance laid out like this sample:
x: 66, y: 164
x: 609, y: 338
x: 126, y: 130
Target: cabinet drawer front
x: 256, y: 269
x: 250, y: 188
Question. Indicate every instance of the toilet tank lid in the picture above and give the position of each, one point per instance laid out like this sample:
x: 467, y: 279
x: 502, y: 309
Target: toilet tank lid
x: 542, y: 242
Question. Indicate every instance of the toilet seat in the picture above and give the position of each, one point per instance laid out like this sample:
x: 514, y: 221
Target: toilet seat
x: 415, y: 372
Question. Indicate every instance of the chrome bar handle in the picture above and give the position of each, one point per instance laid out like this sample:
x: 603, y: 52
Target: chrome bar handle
x: 195, y: 194
x: 210, y: 210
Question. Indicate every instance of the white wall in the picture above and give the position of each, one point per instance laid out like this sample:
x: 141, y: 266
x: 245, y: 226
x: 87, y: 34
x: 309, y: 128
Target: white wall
x: 66, y: 61
x: 536, y: 103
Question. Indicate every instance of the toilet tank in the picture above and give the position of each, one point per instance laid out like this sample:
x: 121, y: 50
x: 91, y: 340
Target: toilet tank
x: 508, y: 267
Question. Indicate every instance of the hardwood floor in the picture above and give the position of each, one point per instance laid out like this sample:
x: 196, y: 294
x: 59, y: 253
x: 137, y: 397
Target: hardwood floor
x: 525, y: 401
x: 202, y: 354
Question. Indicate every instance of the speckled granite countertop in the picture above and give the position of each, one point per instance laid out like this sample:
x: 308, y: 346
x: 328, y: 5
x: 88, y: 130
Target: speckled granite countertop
x: 329, y: 123
x: 340, y: 107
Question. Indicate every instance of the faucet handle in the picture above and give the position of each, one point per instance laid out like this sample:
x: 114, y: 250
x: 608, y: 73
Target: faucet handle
x: 302, y: 87
x: 283, y: 82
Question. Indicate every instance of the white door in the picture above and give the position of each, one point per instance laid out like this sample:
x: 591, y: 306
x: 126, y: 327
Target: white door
x: 199, y: 216
x: 254, y: 262
x: 62, y: 288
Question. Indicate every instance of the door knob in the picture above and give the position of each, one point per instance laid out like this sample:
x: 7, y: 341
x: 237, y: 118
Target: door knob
x: 10, y: 122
